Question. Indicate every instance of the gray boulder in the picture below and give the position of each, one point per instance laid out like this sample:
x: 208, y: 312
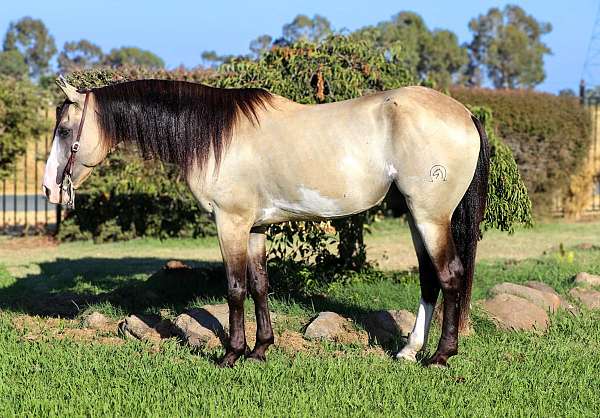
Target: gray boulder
x: 328, y: 326
x: 96, y: 320
x: 198, y: 327
x: 145, y: 327
x: 387, y: 325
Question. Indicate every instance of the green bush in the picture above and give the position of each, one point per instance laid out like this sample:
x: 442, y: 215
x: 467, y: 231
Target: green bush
x: 508, y: 202
x: 120, y: 203
x: 337, y: 69
x: 21, y: 119
x: 548, y: 135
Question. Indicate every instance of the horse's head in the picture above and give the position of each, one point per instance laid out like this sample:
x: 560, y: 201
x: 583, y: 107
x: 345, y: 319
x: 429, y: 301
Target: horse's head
x: 76, y: 145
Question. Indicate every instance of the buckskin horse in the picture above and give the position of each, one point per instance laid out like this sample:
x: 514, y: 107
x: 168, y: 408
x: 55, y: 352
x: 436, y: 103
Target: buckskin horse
x: 253, y: 158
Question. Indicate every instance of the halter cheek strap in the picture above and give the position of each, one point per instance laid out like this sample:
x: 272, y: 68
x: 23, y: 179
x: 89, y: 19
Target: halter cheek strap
x: 66, y: 183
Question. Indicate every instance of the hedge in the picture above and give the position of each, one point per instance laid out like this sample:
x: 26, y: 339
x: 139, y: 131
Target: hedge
x: 548, y: 135
x: 334, y: 70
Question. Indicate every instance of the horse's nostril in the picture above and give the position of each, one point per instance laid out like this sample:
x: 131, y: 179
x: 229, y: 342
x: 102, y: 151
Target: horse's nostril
x: 46, y: 192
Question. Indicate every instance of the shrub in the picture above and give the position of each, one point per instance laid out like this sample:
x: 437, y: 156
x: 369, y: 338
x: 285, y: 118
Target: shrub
x: 548, y: 135
x: 508, y: 202
x: 335, y: 70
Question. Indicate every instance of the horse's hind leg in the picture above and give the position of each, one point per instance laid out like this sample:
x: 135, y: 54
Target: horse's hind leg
x: 234, y: 232
x: 430, y: 289
x: 259, y: 287
x: 437, y: 239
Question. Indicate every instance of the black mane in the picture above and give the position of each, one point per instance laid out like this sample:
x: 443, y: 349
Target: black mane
x: 176, y: 121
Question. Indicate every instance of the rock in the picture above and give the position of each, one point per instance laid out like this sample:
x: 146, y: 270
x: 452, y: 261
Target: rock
x: 95, y: 320
x: 176, y: 264
x: 198, y: 327
x: 564, y: 303
x: 515, y: 313
x: 587, y: 279
x: 588, y: 297
x: 145, y: 327
x: 547, y: 301
x: 542, y: 287
x: 387, y: 325
x: 568, y: 306
x: 327, y: 326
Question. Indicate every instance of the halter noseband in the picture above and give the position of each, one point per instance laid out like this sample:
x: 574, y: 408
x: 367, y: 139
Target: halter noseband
x: 66, y: 182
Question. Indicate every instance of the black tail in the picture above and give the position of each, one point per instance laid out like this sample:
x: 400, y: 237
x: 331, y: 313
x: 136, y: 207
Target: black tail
x: 466, y: 219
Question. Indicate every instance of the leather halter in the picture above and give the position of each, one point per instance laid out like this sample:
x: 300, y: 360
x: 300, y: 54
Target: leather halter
x: 66, y: 182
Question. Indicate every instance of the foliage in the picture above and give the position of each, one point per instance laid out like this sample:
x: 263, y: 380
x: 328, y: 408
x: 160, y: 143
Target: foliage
x: 31, y: 38
x: 133, y: 56
x: 81, y: 55
x: 435, y: 56
x: 508, y: 202
x: 13, y: 65
x: 508, y: 45
x: 548, y: 135
x: 120, y: 203
x: 21, y: 119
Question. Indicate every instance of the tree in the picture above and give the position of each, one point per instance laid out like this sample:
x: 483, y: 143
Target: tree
x: 212, y: 60
x: 13, y: 65
x: 507, y: 44
x: 30, y: 37
x: 566, y: 92
x: 21, y: 119
x: 134, y: 57
x: 80, y: 55
x: 307, y: 29
x: 260, y: 45
x: 441, y: 58
x: 434, y: 56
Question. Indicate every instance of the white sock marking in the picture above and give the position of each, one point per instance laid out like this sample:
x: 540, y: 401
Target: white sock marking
x: 418, y: 337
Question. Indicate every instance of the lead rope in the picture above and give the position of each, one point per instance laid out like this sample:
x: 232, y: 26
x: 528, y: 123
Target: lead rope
x: 66, y: 183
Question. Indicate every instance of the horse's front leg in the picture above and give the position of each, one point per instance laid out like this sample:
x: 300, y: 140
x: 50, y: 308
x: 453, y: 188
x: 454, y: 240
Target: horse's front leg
x: 234, y: 232
x: 259, y: 288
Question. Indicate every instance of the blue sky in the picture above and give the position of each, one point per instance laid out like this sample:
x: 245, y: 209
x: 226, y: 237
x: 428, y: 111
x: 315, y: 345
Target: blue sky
x: 179, y: 30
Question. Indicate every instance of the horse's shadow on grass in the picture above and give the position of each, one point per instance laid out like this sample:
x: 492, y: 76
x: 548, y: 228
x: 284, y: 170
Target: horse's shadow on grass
x: 66, y: 287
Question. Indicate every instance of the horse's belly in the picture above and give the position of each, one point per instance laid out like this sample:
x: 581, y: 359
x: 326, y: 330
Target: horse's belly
x: 312, y: 204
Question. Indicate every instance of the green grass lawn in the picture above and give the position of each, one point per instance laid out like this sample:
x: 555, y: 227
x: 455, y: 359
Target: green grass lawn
x: 496, y: 373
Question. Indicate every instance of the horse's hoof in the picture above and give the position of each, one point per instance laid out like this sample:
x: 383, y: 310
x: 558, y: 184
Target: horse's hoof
x: 437, y: 361
x: 407, y: 355
x: 256, y: 356
x: 229, y: 360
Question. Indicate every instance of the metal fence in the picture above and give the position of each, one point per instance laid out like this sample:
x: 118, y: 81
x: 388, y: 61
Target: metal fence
x: 23, y: 208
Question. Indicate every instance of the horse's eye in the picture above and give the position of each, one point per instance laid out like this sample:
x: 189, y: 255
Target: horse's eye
x: 64, y: 132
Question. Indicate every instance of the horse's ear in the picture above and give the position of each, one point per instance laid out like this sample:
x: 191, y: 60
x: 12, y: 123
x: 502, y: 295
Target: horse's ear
x: 69, y: 90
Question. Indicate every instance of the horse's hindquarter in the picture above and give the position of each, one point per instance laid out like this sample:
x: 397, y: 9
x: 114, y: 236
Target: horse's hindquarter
x: 435, y: 149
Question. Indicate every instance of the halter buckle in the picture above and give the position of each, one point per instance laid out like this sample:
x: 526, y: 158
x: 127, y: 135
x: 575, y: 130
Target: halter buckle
x: 75, y: 146
x: 67, y: 186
